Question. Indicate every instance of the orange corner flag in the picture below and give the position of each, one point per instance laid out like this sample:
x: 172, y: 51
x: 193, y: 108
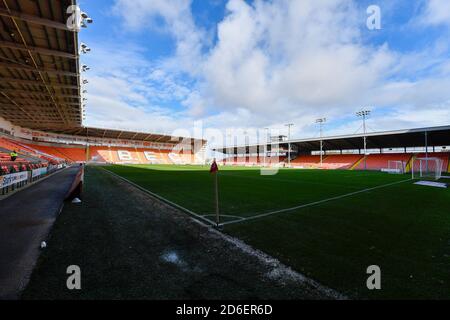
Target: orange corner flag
x: 214, y: 168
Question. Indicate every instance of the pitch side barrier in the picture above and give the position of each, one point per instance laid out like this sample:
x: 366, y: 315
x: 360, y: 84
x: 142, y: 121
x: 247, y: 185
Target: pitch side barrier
x: 13, y: 181
x: 76, y: 188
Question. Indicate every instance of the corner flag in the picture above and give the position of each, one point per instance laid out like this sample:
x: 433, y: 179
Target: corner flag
x: 214, y: 168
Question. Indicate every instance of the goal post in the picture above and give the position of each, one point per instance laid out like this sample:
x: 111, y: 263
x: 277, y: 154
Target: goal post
x: 427, y: 168
x: 396, y: 166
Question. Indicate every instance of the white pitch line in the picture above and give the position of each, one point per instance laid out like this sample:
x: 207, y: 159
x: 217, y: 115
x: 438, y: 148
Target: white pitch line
x: 192, y: 213
x: 223, y: 215
x: 312, y: 203
x: 274, y: 263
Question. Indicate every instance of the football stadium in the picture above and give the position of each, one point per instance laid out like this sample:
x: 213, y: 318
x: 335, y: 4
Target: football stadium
x: 90, y: 212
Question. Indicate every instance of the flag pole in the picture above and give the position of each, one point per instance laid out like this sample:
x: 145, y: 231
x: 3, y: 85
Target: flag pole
x: 215, y: 170
x: 216, y: 186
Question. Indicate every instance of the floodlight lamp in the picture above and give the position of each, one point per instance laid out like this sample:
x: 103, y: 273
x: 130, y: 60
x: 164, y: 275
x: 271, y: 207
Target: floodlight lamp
x: 84, y: 48
x: 84, y: 15
x: 363, y: 113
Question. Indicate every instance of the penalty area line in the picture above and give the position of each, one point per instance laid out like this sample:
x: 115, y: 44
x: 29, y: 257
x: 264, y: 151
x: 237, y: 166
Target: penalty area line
x: 223, y: 215
x: 262, y: 215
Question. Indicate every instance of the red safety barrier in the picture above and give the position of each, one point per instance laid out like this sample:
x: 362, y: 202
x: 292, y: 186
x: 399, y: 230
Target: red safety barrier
x: 76, y: 189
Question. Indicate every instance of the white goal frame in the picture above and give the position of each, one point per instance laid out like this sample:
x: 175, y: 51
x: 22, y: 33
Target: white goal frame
x: 396, y: 166
x: 427, y: 168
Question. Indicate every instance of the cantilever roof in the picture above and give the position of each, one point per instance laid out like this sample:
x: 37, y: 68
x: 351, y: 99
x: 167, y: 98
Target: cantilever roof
x: 436, y: 136
x: 39, y: 71
x: 125, y: 135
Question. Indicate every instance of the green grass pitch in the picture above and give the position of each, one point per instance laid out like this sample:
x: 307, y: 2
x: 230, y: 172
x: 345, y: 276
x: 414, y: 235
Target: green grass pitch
x: 401, y: 227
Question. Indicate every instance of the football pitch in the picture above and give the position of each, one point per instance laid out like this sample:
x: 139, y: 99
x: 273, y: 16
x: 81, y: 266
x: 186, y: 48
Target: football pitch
x: 328, y: 225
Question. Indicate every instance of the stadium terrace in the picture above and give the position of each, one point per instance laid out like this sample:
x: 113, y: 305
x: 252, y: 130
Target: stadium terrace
x: 371, y: 151
x: 89, y: 213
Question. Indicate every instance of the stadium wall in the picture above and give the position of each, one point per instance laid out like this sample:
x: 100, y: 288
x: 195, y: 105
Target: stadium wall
x: 50, y: 147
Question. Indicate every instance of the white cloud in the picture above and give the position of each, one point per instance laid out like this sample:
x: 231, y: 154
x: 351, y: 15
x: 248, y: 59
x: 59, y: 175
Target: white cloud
x: 437, y: 12
x: 274, y: 61
x: 173, y: 17
x: 291, y: 56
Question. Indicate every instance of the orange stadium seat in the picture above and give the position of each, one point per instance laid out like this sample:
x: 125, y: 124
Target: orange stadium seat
x: 444, y: 156
x: 46, y: 149
x: 381, y: 161
x: 138, y: 156
x: 74, y: 154
x: 306, y: 161
x: 340, y: 161
x: 252, y: 160
x: 27, y: 152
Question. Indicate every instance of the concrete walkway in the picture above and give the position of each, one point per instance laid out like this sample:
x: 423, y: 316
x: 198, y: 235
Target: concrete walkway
x: 25, y: 220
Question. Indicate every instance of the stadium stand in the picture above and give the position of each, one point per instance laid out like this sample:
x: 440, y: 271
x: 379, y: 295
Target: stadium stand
x: 444, y: 156
x: 74, y: 154
x: 238, y: 161
x: 24, y: 162
x: 306, y: 161
x: 381, y: 161
x: 47, y: 150
x: 58, y: 152
x: 181, y: 158
x: 9, y: 145
x: 27, y: 161
x: 138, y: 156
x: 31, y: 152
x: 28, y: 153
x: 341, y: 161
x: 98, y: 154
x: 252, y: 160
x: 334, y: 161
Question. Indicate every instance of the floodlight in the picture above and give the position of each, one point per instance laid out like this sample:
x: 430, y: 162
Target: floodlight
x: 363, y: 113
x: 85, y: 16
x: 289, y: 125
x: 321, y: 120
x: 85, y: 48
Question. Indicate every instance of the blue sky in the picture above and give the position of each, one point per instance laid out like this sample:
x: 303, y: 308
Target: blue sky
x: 231, y: 65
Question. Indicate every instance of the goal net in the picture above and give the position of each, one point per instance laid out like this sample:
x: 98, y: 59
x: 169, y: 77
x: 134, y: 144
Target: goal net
x: 430, y: 168
x: 395, y: 166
